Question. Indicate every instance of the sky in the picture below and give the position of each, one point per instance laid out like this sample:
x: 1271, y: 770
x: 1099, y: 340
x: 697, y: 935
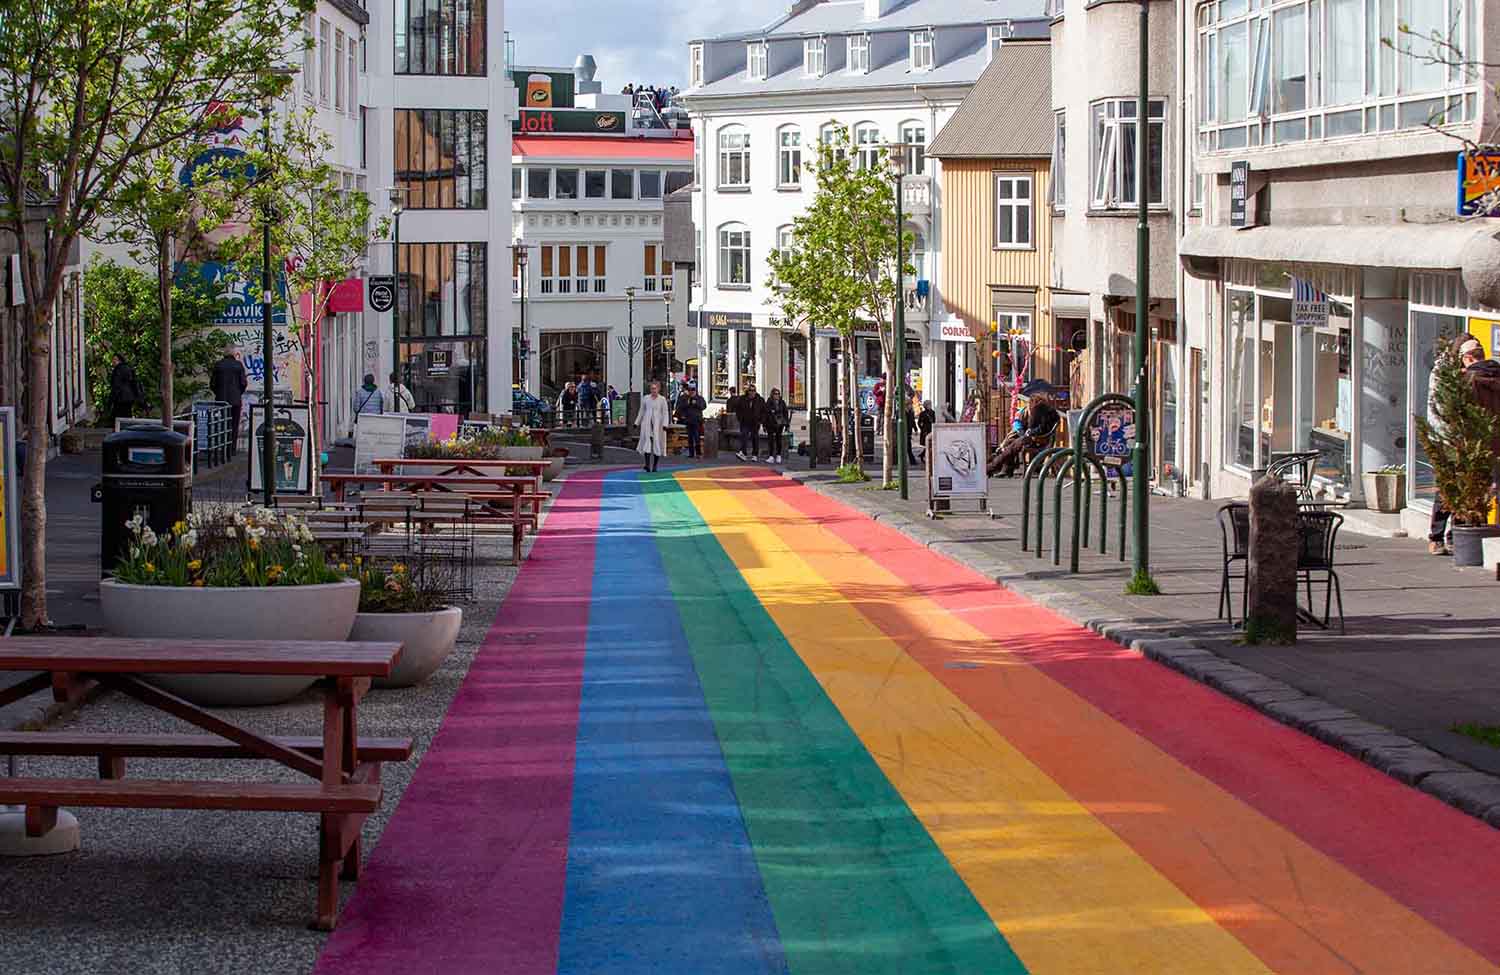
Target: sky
x: 639, y: 41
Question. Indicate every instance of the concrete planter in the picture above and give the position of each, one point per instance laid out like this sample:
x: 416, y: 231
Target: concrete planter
x: 281, y: 613
x: 521, y: 453
x: 1385, y: 492
x: 426, y: 639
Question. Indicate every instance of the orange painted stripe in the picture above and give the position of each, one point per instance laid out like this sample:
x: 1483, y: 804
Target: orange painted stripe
x: 1296, y: 908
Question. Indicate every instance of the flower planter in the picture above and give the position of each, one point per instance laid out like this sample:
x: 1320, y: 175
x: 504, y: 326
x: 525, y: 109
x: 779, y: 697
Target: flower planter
x: 281, y: 613
x: 1468, y: 543
x: 426, y: 639
x: 1385, y: 492
x: 521, y: 453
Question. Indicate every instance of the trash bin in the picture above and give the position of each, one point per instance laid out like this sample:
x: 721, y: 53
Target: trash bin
x: 147, y: 472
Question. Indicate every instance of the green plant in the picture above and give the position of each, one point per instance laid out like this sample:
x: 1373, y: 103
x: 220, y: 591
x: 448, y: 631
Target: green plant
x: 1141, y: 584
x: 400, y: 590
x: 852, y: 474
x: 221, y: 548
x: 1460, y: 443
x: 1486, y: 733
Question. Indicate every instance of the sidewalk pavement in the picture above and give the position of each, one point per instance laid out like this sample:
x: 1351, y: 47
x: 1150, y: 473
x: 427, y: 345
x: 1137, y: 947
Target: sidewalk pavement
x: 1422, y: 651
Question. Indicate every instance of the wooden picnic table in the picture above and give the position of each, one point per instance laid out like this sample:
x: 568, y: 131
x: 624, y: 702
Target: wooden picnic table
x: 485, y: 486
x: 481, y: 467
x: 345, y: 769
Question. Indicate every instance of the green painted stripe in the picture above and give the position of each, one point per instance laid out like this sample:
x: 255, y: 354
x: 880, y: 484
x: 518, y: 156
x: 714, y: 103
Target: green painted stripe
x: 855, y: 882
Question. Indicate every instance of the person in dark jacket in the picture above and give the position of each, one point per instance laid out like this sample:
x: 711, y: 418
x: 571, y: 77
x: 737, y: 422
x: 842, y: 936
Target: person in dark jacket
x: 588, y: 395
x: 690, y: 407
x: 777, y: 418
x: 229, y: 380
x: 125, y: 392
x: 750, y: 409
x: 926, y: 417
x: 1040, y: 426
x: 568, y: 401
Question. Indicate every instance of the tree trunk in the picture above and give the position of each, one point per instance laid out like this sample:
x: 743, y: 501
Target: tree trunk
x: 34, y: 487
x: 164, y: 304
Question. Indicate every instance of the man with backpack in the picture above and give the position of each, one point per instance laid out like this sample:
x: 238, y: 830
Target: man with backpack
x: 750, y: 409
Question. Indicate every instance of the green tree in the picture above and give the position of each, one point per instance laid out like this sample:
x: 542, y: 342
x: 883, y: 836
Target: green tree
x: 122, y: 308
x: 841, y: 271
x: 88, y: 88
x: 1461, y: 443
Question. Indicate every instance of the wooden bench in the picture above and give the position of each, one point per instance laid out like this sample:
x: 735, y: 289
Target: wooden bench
x: 113, y: 749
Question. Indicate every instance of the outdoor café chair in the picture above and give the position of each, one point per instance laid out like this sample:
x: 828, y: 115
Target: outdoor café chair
x: 1317, y: 533
x: 1234, y: 535
x: 1295, y: 468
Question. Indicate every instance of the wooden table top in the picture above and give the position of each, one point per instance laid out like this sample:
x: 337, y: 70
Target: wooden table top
x: 135, y: 656
x: 443, y: 479
x: 478, y: 462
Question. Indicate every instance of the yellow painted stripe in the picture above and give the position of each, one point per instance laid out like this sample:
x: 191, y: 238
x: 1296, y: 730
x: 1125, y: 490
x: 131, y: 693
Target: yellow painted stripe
x: 1068, y: 894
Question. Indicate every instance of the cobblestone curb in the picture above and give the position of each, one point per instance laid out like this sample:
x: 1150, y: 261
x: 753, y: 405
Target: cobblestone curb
x: 1473, y: 792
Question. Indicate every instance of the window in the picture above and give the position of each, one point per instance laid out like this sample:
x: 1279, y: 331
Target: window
x: 1286, y: 71
x: 352, y: 64
x: 1012, y: 211
x: 515, y: 182
x: 538, y: 183
x: 444, y: 289
x: 1112, y: 172
x: 595, y: 184
x: 565, y: 184
x: 755, y: 60
x: 998, y: 33
x: 914, y: 136
x: 658, y: 270
x: 309, y: 53
x: 814, y: 57
x: 921, y: 50
x: 695, y: 66
x: 784, y: 241
x: 441, y: 37
x: 830, y: 135
x: 734, y: 256
x: 340, y: 93
x: 565, y: 268
x: 859, y: 53
x: 622, y: 184
x: 442, y: 160
x: 789, y: 157
x: 677, y: 180
x: 734, y: 156
x: 325, y: 59
x: 867, y: 145
x: 650, y: 184
x: 1057, y: 185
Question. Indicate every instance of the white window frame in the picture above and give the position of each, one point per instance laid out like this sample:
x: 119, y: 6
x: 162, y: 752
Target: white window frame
x: 757, y: 60
x: 325, y: 53
x: 352, y: 59
x: 340, y: 82
x: 998, y: 35
x: 914, y: 137
x: 867, y: 145
x: 1057, y: 182
x: 695, y: 66
x: 858, y: 57
x: 828, y: 135
x: 657, y: 276
x: 784, y: 245
x: 309, y: 53
x: 734, y: 238
x: 1111, y: 122
x: 920, y: 49
x: 789, y: 157
x: 661, y: 183
x: 815, y: 57
x: 1015, y: 214
x: 734, y: 147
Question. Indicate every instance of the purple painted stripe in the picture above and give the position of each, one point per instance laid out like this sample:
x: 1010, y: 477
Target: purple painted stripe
x: 469, y: 874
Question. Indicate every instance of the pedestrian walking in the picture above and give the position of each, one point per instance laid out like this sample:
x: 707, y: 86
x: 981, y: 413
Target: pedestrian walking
x: 690, y: 407
x: 749, y: 409
x: 588, y: 397
x: 366, y: 399
x: 926, y: 418
x: 125, y: 392
x: 396, y: 398
x: 653, y: 441
x: 1484, y: 378
x: 777, y: 418
x: 228, y: 381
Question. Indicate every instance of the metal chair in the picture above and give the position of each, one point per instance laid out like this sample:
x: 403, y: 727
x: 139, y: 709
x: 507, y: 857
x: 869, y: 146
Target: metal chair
x: 1234, y: 534
x: 1295, y: 468
x: 1317, y: 532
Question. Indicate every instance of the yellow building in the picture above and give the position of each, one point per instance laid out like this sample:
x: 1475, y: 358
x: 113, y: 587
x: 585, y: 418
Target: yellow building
x: 996, y: 153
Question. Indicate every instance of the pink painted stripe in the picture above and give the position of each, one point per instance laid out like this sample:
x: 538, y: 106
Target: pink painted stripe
x: 469, y: 873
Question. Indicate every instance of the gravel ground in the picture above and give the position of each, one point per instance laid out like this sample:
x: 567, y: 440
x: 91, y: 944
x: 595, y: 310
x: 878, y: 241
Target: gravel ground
x: 210, y: 892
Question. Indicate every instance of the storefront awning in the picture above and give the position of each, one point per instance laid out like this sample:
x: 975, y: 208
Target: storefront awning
x: 1420, y: 246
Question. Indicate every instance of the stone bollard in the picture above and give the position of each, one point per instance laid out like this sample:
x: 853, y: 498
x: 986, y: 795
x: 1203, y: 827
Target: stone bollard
x: 596, y: 441
x: 1271, y: 574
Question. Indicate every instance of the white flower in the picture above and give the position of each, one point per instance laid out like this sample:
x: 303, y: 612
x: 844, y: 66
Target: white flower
x: 239, y: 517
x: 190, y: 540
x: 231, y: 533
x: 148, y: 537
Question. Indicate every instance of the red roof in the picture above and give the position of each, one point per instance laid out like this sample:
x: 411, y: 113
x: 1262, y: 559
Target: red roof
x: 601, y: 147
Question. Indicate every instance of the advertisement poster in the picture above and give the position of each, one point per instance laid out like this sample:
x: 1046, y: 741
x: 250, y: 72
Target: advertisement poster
x: 958, y: 461
x: 10, y: 543
x: 293, y: 459
x: 378, y: 436
x: 1111, y: 437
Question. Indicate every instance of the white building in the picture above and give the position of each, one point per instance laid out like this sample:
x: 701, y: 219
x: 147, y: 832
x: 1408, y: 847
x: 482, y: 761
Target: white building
x: 589, y: 173
x: 889, y: 72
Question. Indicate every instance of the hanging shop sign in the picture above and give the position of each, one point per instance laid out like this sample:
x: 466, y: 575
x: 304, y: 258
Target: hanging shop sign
x: 726, y: 319
x: 10, y: 543
x: 1479, y: 184
x: 1239, y: 194
x: 1309, y: 305
x: 954, y: 332
x: 382, y: 293
x: 293, y: 453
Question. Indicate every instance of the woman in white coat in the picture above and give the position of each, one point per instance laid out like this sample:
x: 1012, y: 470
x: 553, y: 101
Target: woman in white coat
x: 653, y: 420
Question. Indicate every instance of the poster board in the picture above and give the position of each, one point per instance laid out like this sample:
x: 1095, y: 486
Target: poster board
x: 10, y: 542
x: 379, y: 435
x: 295, y: 458
x: 1111, y: 438
x: 956, y: 468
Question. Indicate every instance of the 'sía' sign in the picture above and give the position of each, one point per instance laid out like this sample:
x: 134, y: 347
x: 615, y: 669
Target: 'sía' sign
x: 1479, y: 184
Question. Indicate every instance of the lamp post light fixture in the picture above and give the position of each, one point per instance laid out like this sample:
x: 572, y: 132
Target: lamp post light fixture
x: 896, y: 156
x: 522, y: 259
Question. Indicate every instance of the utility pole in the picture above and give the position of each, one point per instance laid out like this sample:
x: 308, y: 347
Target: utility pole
x: 898, y: 326
x: 1140, y: 458
x: 268, y: 368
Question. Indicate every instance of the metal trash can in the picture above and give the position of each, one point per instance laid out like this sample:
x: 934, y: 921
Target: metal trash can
x: 147, y: 472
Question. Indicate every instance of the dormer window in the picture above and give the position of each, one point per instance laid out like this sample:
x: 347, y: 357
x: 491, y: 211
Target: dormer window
x: 756, y: 60
x: 815, y: 57
x: 998, y: 34
x: 921, y: 50
x: 695, y: 66
x: 859, y: 53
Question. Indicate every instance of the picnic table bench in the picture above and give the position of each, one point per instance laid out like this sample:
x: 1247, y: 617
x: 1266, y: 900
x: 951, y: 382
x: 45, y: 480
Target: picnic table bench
x: 491, y: 489
x: 481, y: 467
x: 344, y: 769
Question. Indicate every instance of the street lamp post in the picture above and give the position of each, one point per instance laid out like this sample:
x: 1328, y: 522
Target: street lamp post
x: 521, y: 259
x: 630, y: 346
x: 268, y: 437
x: 896, y: 155
x: 1142, y: 453
x: 397, y: 194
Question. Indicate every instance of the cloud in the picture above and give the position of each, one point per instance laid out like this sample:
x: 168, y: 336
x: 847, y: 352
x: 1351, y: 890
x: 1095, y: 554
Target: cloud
x: 633, y: 41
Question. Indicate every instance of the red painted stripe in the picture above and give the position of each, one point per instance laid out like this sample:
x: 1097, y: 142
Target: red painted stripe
x: 469, y: 874
x: 1418, y: 850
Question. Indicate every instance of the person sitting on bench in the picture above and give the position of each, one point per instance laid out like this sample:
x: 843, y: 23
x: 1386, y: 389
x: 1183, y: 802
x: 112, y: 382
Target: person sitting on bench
x: 1039, y: 425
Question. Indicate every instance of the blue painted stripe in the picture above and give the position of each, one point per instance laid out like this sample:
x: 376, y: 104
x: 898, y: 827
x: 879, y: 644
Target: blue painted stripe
x: 660, y: 876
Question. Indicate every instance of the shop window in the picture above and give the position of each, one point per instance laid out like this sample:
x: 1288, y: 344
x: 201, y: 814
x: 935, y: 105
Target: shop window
x: 1324, y: 393
x: 1431, y: 334
x: 442, y: 160
x: 796, y: 372
x: 445, y: 288
x: 440, y: 37
x: 1240, y: 348
x: 656, y: 361
x: 719, y: 378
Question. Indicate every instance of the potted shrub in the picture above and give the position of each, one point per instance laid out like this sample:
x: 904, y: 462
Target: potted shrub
x: 229, y: 574
x: 1459, y: 435
x: 1385, y: 489
x: 399, y: 605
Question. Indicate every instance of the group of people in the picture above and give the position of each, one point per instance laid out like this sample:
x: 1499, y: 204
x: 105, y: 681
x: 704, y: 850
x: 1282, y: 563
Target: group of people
x: 586, y: 396
x: 393, y: 398
x: 660, y: 97
x: 756, y: 413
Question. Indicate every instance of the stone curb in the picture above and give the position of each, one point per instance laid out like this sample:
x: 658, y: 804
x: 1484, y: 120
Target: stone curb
x: 1471, y: 791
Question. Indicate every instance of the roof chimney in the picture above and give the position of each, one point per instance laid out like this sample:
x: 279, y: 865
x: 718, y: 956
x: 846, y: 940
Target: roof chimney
x: 584, y: 70
x: 875, y: 9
